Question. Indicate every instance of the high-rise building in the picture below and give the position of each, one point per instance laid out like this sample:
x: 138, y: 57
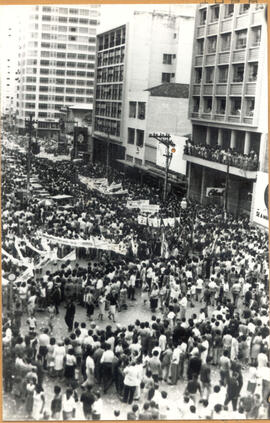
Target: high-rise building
x: 141, y: 73
x: 56, y: 62
x: 229, y: 104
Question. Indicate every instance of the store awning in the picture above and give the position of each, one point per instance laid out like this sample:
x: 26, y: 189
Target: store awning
x: 125, y: 162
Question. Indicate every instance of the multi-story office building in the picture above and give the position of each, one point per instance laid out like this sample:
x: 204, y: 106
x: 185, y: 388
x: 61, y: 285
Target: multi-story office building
x: 56, y: 62
x: 228, y: 101
x: 133, y: 60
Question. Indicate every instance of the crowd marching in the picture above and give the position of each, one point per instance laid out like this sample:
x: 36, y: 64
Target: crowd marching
x: 204, y: 352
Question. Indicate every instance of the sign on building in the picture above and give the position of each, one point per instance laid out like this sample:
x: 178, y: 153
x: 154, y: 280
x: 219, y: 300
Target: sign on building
x: 260, y: 214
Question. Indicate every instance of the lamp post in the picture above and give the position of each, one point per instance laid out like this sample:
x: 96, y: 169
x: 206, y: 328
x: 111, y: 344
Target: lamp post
x: 166, y: 140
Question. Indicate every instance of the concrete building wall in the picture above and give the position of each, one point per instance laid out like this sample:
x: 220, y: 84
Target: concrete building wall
x: 184, y: 49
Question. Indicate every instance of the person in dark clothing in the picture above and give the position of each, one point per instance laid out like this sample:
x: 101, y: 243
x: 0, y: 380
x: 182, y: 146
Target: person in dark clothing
x: 194, y: 366
x: 87, y: 400
x: 56, y: 298
x: 70, y: 313
x: 232, y: 391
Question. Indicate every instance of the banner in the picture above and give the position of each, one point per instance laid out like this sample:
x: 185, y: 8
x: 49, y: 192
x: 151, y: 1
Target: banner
x: 80, y: 141
x: 149, y: 208
x: 261, y: 205
x: 100, y: 244
x: 142, y: 220
x: 136, y: 204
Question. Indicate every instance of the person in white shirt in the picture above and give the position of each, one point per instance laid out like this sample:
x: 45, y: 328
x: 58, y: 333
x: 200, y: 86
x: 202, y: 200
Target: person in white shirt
x: 131, y: 379
x: 89, y: 370
x: 68, y: 405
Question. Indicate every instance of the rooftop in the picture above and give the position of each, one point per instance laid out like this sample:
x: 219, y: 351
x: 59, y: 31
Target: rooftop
x: 170, y: 89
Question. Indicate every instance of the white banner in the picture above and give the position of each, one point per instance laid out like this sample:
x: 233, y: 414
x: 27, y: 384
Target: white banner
x: 142, y: 220
x: 136, y: 204
x: 260, y: 214
x: 149, y: 208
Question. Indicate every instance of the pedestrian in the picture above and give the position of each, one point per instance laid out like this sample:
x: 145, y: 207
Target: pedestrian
x: 87, y: 400
x: 56, y: 403
x: 70, y: 314
x: 68, y: 405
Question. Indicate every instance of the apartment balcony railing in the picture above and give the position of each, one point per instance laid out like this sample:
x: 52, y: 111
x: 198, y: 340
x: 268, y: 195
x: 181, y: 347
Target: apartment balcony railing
x: 212, y: 28
x: 253, y: 53
x: 242, y: 21
x: 223, y: 58
x: 250, y: 88
x: 196, y: 89
x: 226, y: 25
x: 234, y: 119
x: 200, y: 31
x: 221, y: 89
x: 208, y: 89
x: 210, y: 59
x: 198, y: 60
x: 238, y: 56
x: 236, y: 88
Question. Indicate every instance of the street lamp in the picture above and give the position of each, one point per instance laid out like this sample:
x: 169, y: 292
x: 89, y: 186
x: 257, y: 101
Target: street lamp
x: 107, y: 127
x: 166, y: 140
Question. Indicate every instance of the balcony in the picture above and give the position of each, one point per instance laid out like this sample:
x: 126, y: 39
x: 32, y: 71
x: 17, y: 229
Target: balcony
x: 258, y: 17
x: 196, y: 89
x: 239, y: 56
x: 212, y: 28
x: 219, y: 118
x: 236, y: 89
x: 226, y: 25
x: 223, y: 58
x: 200, y: 31
x: 210, y: 59
x: 242, y: 21
x: 253, y: 53
x: 198, y: 60
x: 206, y: 115
x: 248, y: 120
x: 207, y: 89
x: 195, y: 114
x: 250, y: 88
x: 221, y: 89
x: 234, y: 119
x: 239, y: 166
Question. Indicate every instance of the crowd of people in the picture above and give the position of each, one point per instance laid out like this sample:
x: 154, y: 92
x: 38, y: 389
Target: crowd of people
x: 202, y: 354
x: 221, y: 155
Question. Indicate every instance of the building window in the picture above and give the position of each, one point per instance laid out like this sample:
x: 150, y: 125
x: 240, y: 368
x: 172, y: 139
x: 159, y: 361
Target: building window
x: 250, y: 104
x: 198, y: 75
x: 229, y: 9
x: 225, y: 42
x: 238, y: 73
x: 214, y: 13
x: 141, y: 110
x: 221, y: 106
x: 209, y: 75
x: 223, y: 74
x: 212, y: 44
x: 203, y: 14
x: 131, y: 135
x: 196, y: 104
x: 132, y: 109
x: 140, y: 137
x: 244, y: 8
x: 256, y: 36
x: 253, y: 71
x: 129, y: 158
x: 208, y: 104
x: 167, y: 59
x: 200, y: 46
x: 166, y: 77
x: 241, y: 39
x: 236, y: 106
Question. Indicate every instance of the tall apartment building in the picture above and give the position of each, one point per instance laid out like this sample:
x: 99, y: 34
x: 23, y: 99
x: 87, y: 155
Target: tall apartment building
x: 228, y: 99
x: 56, y: 62
x: 134, y: 62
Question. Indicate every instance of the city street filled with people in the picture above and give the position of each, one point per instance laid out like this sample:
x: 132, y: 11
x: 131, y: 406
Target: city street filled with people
x: 112, y: 311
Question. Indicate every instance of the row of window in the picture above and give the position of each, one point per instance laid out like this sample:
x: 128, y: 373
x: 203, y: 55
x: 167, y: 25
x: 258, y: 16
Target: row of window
x: 110, y: 109
x: 109, y: 92
x: 112, y: 74
x: 49, y: 18
x: 79, y: 47
x: 31, y: 79
x: 62, y: 64
x: 62, y: 72
x: 63, y: 28
x: 111, y: 127
x: 214, y: 12
x: 67, y: 99
x: 235, y: 104
x: 112, y: 39
x: 63, y: 55
x: 167, y: 77
x: 111, y: 57
x: 137, y: 109
x: 135, y: 136
x: 42, y: 97
x: 62, y: 37
x: 223, y: 72
x: 225, y: 41
x: 168, y: 59
x: 66, y: 11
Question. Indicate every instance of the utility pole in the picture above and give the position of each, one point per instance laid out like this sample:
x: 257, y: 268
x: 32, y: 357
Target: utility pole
x: 226, y: 185
x: 166, y: 140
x: 30, y: 126
x: 108, y: 153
